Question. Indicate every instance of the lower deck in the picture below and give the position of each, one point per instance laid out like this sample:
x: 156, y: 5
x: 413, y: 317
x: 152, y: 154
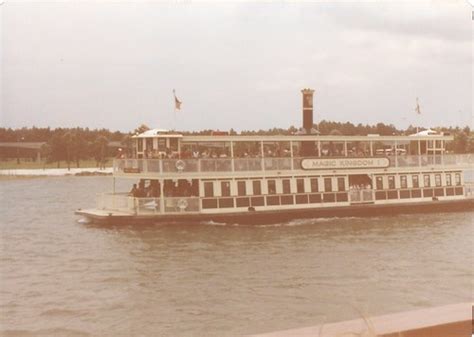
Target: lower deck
x: 212, y: 198
x: 282, y: 215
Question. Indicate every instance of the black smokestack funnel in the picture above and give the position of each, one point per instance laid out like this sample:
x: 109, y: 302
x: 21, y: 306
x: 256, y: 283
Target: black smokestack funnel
x: 308, y: 148
x: 307, y: 110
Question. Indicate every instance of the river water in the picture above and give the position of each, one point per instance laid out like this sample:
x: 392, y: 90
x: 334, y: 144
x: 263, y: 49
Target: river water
x: 61, y: 277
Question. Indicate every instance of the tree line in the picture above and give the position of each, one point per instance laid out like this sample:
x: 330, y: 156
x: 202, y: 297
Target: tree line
x: 72, y: 145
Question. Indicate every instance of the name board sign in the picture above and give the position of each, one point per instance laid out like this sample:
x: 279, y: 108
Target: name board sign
x: 131, y: 170
x: 344, y: 163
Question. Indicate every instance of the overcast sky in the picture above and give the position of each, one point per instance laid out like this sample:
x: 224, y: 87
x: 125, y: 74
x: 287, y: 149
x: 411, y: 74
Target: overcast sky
x: 234, y: 65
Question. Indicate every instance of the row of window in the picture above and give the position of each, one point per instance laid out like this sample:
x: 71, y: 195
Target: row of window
x: 418, y: 193
x: 272, y: 186
x: 274, y: 200
x: 302, y: 187
x: 415, y: 183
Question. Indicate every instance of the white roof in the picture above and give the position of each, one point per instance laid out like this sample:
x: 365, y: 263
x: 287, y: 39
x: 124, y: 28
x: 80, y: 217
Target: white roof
x: 158, y: 133
x: 428, y: 132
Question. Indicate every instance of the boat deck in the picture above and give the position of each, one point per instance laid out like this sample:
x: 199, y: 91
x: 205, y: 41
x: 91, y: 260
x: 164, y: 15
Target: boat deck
x: 102, y: 213
x: 277, y: 216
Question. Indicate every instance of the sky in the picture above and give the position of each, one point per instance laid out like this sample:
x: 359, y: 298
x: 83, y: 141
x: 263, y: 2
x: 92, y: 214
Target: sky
x: 237, y: 65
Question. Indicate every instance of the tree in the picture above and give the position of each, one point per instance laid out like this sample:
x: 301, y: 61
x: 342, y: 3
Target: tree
x: 142, y: 128
x: 127, y: 143
x: 80, y: 147
x: 68, y: 139
x: 99, y: 148
x: 460, y: 142
x: 57, y: 147
x: 46, y: 152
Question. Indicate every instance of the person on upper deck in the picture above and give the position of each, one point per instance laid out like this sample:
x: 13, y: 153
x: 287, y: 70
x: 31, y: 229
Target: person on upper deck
x: 133, y: 191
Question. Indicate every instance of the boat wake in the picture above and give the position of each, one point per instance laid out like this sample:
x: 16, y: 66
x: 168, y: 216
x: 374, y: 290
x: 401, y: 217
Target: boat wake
x: 291, y: 223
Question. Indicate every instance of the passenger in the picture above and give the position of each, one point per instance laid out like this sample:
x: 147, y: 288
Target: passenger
x: 133, y: 191
x: 140, y: 192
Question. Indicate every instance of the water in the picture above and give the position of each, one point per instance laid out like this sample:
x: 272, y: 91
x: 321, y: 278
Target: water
x: 60, y: 277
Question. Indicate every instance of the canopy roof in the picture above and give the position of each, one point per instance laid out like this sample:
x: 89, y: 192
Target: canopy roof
x: 154, y: 133
x: 428, y: 132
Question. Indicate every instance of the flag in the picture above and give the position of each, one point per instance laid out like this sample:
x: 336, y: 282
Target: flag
x: 417, y: 109
x: 177, y: 102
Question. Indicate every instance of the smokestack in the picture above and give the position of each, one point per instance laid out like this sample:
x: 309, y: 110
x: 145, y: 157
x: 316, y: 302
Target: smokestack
x: 307, y: 110
x: 308, y: 148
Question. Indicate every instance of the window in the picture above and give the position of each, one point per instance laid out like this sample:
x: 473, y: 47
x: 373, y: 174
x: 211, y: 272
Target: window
x: 415, y: 181
x: 457, y: 179
x: 327, y: 185
x: 448, y: 179
x: 426, y: 180
x: 140, y: 144
x: 257, y: 187
x: 209, y: 189
x: 300, y: 185
x: 241, y: 188
x: 403, y: 182
x: 341, y: 184
x: 379, y: 183
x: 225, y: 188
x: 437, y: 180
x: 271, y: 186
x: 314, y: 185
x: 149, y: 144
x: 286, y: 186
x: 391, y: 182
x: 161, y: 144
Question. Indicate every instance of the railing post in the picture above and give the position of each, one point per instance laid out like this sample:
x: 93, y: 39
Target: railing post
x: 232, y: 155
x: 162, y: 196
x: 396, y: 154
x: 291, y: 155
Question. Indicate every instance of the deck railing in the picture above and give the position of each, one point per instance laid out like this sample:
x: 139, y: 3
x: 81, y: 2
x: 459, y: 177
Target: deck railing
x: 170, y: 166
x: 361, y: 196
x: 122, y: 202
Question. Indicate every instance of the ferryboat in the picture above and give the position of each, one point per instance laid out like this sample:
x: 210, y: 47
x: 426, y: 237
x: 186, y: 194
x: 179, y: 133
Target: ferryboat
x: 258, y: 179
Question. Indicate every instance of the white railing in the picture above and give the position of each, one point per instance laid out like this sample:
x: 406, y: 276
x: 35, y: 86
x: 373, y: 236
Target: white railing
x: 167, y: 166
x: 114, y: 202
x: 469, y: 190
x: 122, y: 202
x: 460, y: 160
x: 361, y: 196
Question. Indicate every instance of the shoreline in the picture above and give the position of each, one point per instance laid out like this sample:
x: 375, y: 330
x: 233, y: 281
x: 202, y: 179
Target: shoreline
x: 7, y: 174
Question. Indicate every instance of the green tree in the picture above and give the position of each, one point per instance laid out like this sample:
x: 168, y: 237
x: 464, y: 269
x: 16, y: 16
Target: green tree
x: 99, y: 149
x: 142, y: 128
x: 69, y: 146
x: 57, y: 148
x: 46, y: 153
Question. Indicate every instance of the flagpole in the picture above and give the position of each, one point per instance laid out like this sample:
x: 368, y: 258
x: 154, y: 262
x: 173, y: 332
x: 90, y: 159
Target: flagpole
x: 175, y: 118
x: 174, y: 115
x: 418, y: 112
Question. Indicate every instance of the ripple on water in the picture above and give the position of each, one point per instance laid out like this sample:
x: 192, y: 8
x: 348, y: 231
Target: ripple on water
x: 60, y: 277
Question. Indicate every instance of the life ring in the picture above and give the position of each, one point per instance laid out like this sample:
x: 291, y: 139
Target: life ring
x: 180, y: 165
x: 182, y: 204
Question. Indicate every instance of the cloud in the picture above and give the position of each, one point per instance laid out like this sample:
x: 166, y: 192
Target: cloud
x: 238, y: 65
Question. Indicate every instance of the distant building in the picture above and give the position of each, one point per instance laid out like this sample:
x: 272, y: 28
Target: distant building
x: 21, y: 150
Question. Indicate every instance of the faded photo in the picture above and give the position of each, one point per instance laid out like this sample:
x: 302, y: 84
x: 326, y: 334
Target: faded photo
x: 241, y: 168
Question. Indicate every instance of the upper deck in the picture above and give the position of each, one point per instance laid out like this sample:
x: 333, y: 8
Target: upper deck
x: 164, y: 155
